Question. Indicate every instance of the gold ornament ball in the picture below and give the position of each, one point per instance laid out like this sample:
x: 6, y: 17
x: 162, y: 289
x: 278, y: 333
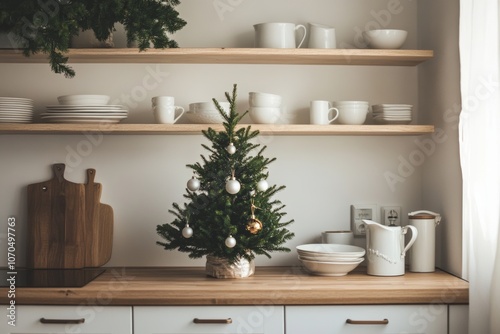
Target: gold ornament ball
x: 254, y: 226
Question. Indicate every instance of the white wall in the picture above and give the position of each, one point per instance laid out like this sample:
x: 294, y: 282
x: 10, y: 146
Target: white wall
x: 143, y: 175
x: 439, y: 100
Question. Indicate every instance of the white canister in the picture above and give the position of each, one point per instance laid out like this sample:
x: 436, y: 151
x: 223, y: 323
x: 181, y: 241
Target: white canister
x: 423, y: 253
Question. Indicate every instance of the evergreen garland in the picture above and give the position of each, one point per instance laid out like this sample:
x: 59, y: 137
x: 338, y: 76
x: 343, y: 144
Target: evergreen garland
x: 47, y: 26
x: 214, y: 214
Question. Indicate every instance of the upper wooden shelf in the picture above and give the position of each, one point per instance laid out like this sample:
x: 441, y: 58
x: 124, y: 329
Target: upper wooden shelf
x: 194, y: 129
x: 234, y: 56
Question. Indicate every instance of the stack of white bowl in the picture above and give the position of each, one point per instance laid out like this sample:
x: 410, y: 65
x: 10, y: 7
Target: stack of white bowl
x: 330, y: 259
x: 206, y: 112
x: 16, y: 110
x: 392, y: 113
x: 352, y: 112
x: 265, y: 108
x: 84, y: 109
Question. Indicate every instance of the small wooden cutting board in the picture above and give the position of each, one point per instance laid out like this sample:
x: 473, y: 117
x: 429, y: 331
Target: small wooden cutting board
x: 98, y: 225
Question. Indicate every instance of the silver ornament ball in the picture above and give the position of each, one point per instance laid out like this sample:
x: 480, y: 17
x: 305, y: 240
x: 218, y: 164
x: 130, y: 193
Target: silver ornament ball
x: 233, y: 186
x: 231, y: 149
x: 187, y: 232
x: 262, y: 185
x: 193, y: 184
x: 230, y: 242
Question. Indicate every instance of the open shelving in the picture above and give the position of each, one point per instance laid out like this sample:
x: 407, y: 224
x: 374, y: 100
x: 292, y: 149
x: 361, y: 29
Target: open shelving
x: 193, y: 129
x: 226, y: 56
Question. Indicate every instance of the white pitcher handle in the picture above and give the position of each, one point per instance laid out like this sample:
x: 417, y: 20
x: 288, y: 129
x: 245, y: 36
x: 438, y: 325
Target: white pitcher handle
x: 437, y: 219
x: 299, y: 26
x: 414, y: 234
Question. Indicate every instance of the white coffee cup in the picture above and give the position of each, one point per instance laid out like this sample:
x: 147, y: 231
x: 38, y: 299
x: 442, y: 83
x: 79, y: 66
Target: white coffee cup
x: 337, y: 237
x: 163, y: 100
x: 167, y: 114
x: 321, y: 36
x: 278, y: 35
x: 321, y: 112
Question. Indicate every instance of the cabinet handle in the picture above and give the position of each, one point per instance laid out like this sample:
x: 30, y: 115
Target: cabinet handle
x: 62, y: 321
x: 213, y: 321
x: 367, y: 322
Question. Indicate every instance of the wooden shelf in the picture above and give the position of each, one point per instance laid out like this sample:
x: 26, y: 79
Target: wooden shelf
x: 195, y: 129
x: 234, y: 56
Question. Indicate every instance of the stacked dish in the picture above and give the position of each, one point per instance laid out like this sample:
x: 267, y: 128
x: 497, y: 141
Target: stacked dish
x: 16, y: 110
x: 206, y: 112
x: 84, y: 109
x: 330, y: 259
x: 392, y: 113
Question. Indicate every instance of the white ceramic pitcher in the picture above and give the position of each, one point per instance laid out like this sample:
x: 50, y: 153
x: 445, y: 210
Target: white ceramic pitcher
x: 385, y: 248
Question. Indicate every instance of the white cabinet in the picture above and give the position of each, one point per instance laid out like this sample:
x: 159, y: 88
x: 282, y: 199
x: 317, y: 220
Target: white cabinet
x: 85, y: 319
x: 260, y: 319
x: 415, y: 319
x: 458, y: 322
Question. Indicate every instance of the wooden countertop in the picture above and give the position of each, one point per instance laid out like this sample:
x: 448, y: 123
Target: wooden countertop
x: 269, y: 285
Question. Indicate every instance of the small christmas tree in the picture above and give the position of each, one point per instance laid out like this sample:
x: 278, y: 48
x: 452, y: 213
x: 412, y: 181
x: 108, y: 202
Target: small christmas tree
x: 230, y: 213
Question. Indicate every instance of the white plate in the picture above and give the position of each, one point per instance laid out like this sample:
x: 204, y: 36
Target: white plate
x: 15, y: 120
x: 85, y: 114
x: 331, y: 249
x: 15, y: 111
x: 45, y: 116
x: 15, y: 105
x: 15, y: 99
x: 90, y: 120
x: 391, y: 105
x: 85, y: 106
x: 330, y: 258
x: 83, y: 99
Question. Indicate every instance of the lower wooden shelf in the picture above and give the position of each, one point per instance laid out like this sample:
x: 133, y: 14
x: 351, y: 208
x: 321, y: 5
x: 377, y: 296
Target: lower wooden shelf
x: 195, y: 129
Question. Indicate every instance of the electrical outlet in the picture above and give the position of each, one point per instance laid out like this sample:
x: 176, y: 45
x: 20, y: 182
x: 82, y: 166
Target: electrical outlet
x: 391, y: 215
x: 358, y: 213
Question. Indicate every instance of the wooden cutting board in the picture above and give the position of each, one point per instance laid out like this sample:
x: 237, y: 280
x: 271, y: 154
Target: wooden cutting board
x: 56, y: 223
x: 98, y: 225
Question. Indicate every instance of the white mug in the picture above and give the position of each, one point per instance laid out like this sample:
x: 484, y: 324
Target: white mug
x: 337, y: 237
x: 321, y: 36
x: 167, y: 114
x: 277, y: 35
x: 163, y: 100
x: 321, y: 112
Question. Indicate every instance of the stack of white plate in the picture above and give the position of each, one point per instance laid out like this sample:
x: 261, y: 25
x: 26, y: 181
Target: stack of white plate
x: 84, y: 109
x: 330, y: 259
x: 16, y: 110
x: 392, y: 113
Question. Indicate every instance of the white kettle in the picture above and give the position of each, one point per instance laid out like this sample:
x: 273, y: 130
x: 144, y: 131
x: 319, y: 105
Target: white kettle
x: 385, y: 248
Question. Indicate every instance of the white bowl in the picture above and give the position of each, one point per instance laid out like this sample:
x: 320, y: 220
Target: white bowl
x: 330, y: 268
x: 352, y: 114
x: 263, y: 115
x: 257, y: 99
x: 89, y: 100
x: 208, y: 107
x: 385, y: 38
x: 350, y: 103
x: 205, y: 117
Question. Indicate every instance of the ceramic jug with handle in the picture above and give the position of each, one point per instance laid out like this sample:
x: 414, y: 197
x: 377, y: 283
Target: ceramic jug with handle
x: 385, y: 248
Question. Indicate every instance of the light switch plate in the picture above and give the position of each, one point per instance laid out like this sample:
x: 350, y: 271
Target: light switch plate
x: 360, y: 212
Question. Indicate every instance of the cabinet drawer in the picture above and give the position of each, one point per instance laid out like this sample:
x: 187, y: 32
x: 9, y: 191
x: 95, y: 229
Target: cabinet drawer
x: 415, y: 319
x: 74, y: 319
x: 261, y: 319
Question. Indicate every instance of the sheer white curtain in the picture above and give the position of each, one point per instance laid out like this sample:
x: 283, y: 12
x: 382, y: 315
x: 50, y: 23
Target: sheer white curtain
x: 480, y: 159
